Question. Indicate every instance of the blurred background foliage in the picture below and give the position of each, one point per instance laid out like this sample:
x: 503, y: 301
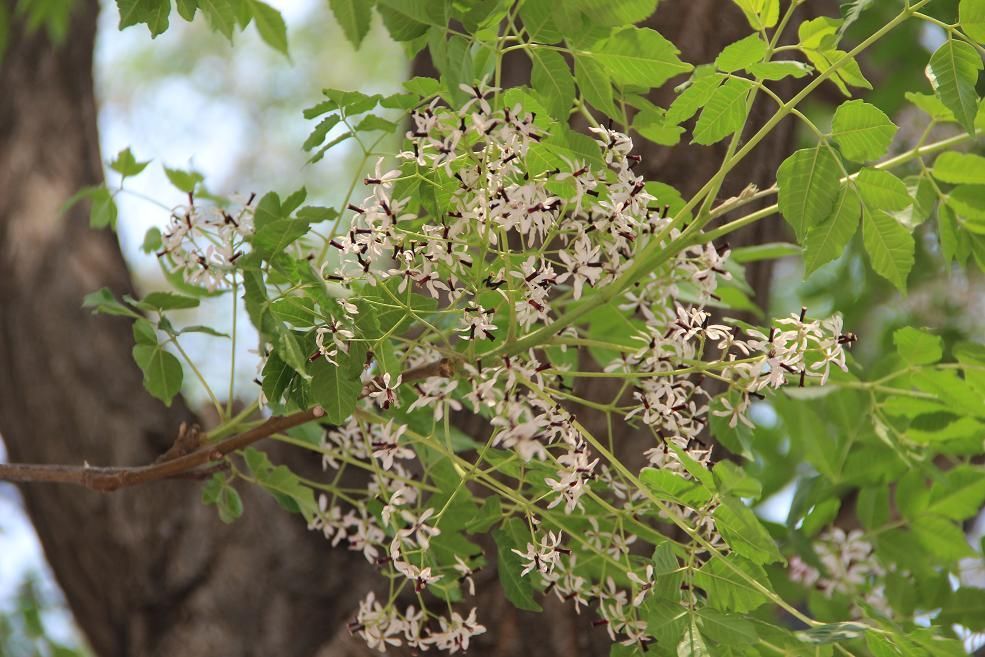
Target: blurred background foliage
x: 232, y: 112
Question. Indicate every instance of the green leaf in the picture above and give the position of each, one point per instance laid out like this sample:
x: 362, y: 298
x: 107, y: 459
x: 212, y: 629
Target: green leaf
x: 640, y: 56
x: 953, y: 72
x: 354, y: 18
x: 863, y: 131
x: 299, y: 311
x: 966, y: 607
x: 183, y: 180
x: 944, y: 539
x: 511, y: 535
x: 872, y: 506
x: 408, y: 19
x: 187, y: 9
x: 428, y: 12
x: 126, y: 164
x: 768, y: 251
x: 144, y: 332
x: 152, y: 12
x: 666, y: 485
x: 102, y: 301
x: 733, y: 480
x: 336, y: 389
x: 422, y: 87
x: 818, y: 40
x: 221, y: 16
x: 889, y: 245
x: 538, y: 20
x: 230, y: 504
x: 760, y: 13
x: 152, y: 240
x: 218, y: 491
x: 968, y: 201
x: 552, y: 79
x: 730, y: 583
x: 168, y: 301
x: 808, y: 182
x: 314, y: 214
x: 270, y: 24
x: 778, y: 70
x: 162, y: 371
x: 692, y: 644
x: 293, y: 201
x: 653, y: 124
x: 277, y: 376
x: 962, y: 429
x: 851, y: 11
x: 371, y: 122
x: 278, y: 480
x: 725, y: 112
x: 102, y: 208
x: 272, y: 238
x: 695, y: 95
x: 917, y: 347
x: 728, y: 629
x: 207, y: 330
x: 593, y: 82
x: 742, y: 54
x: 959, y: 495
x: 744, y: 533
x: 489, y: 514
x: 827, y: 240
x: 289, y: 349
x: 881, y: 191
x: 931, y: 105
x: 666, y: 620
x: 957, y: 168
x: 268, y: 210
x: 833, y: 633
x: 971, y: 14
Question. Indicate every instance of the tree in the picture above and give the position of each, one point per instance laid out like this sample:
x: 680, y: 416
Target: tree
x: 182, y: 566
x: 173, y: 579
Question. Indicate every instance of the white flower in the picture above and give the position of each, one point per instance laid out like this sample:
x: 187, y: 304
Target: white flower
x: 456, y: 632
x: 418, y: 529
x: 645, y: 583
x: 385, y: 393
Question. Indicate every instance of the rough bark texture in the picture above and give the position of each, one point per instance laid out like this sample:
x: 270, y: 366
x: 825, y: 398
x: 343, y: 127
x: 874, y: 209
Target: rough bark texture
x: 151, y: 571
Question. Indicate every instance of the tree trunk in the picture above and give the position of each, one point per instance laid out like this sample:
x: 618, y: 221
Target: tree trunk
x: 148, y: 571
x: 151, y: 571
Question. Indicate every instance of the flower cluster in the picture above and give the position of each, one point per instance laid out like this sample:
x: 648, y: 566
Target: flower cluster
x: 382, y: 626
x: 520, y: 229
x: 203, y: 242
x: 848, y: 566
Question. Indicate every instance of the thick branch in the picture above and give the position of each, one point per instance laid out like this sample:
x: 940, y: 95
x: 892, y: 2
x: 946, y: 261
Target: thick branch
x: 113, y: 478
x: 108, y: 479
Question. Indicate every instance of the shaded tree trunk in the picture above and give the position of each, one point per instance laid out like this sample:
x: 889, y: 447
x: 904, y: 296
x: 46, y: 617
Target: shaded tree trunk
x: 147, y: 571
x: 151, y: 571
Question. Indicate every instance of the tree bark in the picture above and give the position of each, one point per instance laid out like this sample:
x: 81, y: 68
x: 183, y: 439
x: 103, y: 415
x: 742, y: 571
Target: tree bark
x: 151, y: 571
x: 148, y: 571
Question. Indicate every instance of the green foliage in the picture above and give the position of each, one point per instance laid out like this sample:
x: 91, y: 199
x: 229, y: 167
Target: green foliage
x: 862, y: 131
x: 724, y: 114
x: 890, y: 432
x: 512, y: 535
x: 808, y: 187
x: 640, y: 56
x: 354, y: 16
x: 953, y: 72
